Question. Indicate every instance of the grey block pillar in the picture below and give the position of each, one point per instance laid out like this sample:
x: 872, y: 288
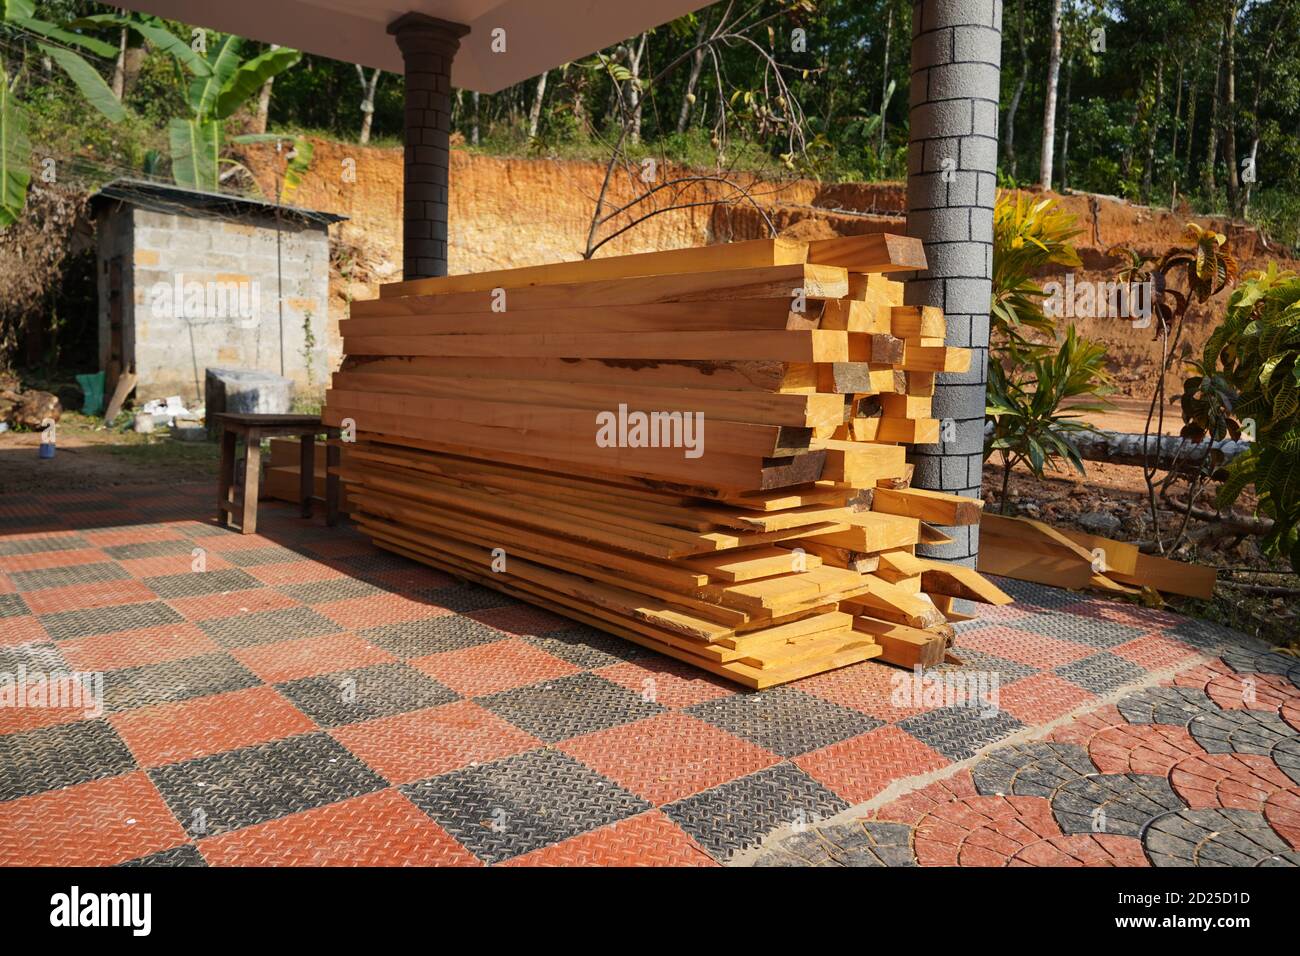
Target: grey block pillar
x: 428, y: 46
x: 951, y: 184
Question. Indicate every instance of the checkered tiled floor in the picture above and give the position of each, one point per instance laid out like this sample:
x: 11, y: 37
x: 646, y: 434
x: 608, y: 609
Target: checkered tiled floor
x: 298, y: 697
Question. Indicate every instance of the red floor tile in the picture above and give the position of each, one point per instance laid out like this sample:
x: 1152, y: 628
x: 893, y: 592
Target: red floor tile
x: 1252, y: 692
x: 1140, y: 748
x: 12, y: 564
x: 170, y: 733
x: 488, y: 668
x: 80, y: 597
x: 1041, y: 698
x: 143, y: 534
x: 648, y: 839
x: 869, y: 687
x: 1282, y: 811
x: 911, y: 807
x: 1155, y: 652
x: 1082, y: 849
x: 667, y: 757
x: 436, y: 740
x: 380, y: 829
x: 148, y: 645
x: 22, y: 630
x: 309, y: 656
x: 172, y: 564
x: 982, y: 831
x: 357, y: 614
x: 667, y: 682
x: 1036, y: 650
x: 101, y: 823
x: 206, y: 607
x: 859, y: 768
x: 1233, y: 781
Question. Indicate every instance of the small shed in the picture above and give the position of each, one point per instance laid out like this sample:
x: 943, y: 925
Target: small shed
x: 190, y: 280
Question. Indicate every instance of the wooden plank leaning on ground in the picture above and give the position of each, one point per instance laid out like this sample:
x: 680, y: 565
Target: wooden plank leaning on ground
x: 878, y: 252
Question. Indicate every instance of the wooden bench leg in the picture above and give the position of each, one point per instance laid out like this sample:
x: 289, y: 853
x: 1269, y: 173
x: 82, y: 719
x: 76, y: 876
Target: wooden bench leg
x: 252, y: 475
x: 306, y: 473
x: 332, y: 458
x: 225, y: 476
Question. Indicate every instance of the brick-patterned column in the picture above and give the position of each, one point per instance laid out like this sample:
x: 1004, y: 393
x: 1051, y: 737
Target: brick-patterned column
x: 952, y: 179
x: 428, y: 46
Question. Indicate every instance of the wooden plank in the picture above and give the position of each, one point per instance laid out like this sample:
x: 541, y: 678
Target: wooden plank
x: 125, y: 385
x: 879, y: 252
x: 798, y: 346
x: 917, y: 321
x: 930, y: 506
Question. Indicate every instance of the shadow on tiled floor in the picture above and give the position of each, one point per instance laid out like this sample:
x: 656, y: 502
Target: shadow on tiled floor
x: 299, y: 697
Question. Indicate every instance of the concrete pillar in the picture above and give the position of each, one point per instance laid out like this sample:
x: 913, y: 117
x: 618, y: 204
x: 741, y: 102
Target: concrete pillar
x: 951, y: 183
x: 428, y: 46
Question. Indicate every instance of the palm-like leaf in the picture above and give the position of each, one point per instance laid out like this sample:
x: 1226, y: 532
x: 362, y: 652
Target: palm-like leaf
x: 15, y: 152
x: 88, y: 81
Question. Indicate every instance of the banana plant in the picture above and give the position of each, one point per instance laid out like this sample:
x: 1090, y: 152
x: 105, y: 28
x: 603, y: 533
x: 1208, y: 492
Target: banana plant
x: 299, y: 160
x: 60, y: 45
x: 214, y: 96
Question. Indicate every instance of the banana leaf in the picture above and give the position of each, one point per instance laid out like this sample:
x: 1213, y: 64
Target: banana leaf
x: 249, y: 78
x: 50, y: 31
x: 153, y: 30
x: 88, y: 80
x: 15, y: 156
x: 195, y: 147
x: 204, y: 90
x: 13, y: 9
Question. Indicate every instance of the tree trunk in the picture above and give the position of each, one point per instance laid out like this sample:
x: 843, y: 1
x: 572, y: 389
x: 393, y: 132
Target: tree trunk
x: 1049, y: 100
x: 368, y: 87
x: 1191, y: 128
x: 1153, y: 129
x: 1212, y: 140
x: 473, y: 130
x: 635, y: 99
x: 1178, y: 109
x: 697, y: 64
x: 1065, y: 122
x: 119, y: 68
x: 1229, y: 112
x: 264, y: 102
x: 1009, y: 127
x: 884, y: 79
x: 535, y: 114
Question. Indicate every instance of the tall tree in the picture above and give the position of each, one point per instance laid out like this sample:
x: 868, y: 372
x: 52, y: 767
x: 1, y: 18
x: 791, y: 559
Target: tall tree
x: 1228, y: 114
x: 368, y: 87
x: 693, y: 78
x: 535, y: 113
x: 1009, y: 126
x: 1049, y: 99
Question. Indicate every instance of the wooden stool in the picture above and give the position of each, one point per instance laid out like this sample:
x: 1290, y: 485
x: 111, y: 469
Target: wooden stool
x: 254, y: 428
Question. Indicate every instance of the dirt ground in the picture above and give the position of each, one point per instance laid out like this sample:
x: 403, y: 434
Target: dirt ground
x: 89, y: 456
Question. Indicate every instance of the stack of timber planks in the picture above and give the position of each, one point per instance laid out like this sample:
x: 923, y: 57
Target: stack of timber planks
x: 503, y: 427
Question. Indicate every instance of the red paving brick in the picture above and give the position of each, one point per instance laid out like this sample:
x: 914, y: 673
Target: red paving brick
x: 982, y: 831
x: 1084, y: 727
x: 79, y: 597
x: 141, y: 535
x: 170, y: 733
x: 1252, y: 692
x: 357, y: 614
x: 207, y: 607
x: 171, y: 564
x: 667, y: 757
x: 309, y: 656
x: 647, y: 839
x: 1042, y: 698
x: 1082, y: 849
x: 859, y: 768
x: 1155, y: 652
x: 1282, y: 811
x: 380, y: 829
x: 293, y: 572
x: 868, y: 687
x: 41, y: 560
x: 1035, y: 650
x: 1141, y: 748
x: 22, y: 630
x: 488, y: 668
x: 1233, y: 781
x: 101, y: 823
x: 147, y: 645
x: 436, y: 740
x: 667, y: 682
x: 912, y: 807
